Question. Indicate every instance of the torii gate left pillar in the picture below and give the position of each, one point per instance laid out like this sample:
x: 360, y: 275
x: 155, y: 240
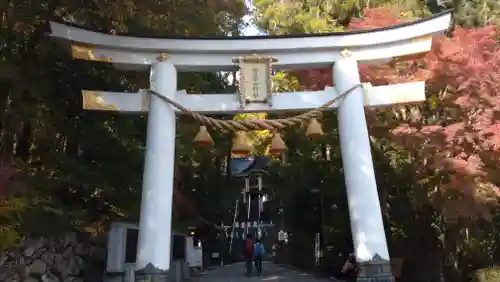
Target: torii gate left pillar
x: 154, y: 243
x: 382, y: 45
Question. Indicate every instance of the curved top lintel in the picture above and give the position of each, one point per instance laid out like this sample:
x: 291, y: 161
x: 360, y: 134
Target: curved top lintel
x: 433, y: 24
x: 137, y: 50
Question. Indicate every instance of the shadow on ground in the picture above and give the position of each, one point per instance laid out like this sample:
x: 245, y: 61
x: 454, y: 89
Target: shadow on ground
x: 272, y: 273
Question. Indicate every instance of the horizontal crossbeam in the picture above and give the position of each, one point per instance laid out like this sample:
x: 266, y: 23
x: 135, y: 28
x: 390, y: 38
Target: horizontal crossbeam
x: 378, y: 96
x: 299, y: 59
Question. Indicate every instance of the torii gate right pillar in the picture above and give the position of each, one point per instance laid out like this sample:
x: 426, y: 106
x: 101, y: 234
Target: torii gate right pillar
x: 370, y: 244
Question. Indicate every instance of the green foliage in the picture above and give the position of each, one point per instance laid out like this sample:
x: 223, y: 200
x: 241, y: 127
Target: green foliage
x: 476, y: 12
x: 295, y: 17
x: 82, y: 170
x: 75, y: 169
x: 285, y: 81
x: 490, y: 274
x: 9, y: 220
x: 418, y: 220
x: 313, y: 16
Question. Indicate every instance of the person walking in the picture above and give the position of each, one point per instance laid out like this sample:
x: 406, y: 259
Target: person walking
x: 258, y: 254
x: 248, y: 253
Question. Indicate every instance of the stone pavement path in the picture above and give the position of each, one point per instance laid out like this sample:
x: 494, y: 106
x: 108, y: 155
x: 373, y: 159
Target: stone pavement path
x: 271, y: 273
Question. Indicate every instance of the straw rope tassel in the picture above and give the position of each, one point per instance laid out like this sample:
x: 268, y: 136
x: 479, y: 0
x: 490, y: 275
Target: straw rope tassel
x: 260, y: 124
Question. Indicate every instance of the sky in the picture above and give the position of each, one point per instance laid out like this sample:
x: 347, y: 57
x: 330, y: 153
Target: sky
x: 250, y: 29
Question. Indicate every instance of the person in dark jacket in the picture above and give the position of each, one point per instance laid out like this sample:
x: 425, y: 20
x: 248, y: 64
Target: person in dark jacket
x: 248, y: 253
x: 258, y: 255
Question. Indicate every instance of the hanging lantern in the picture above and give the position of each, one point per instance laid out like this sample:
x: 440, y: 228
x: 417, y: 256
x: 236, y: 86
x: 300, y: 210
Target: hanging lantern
x: 314, y: 130
x: 277, y: 145
x: 203, y: 138
x: 240, y: 145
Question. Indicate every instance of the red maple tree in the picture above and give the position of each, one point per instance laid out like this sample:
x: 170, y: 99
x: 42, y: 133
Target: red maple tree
x: 457, y: 131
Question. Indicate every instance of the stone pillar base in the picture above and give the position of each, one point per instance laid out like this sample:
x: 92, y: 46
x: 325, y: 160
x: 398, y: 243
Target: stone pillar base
x: 375, y: 270
x: 151, y: 274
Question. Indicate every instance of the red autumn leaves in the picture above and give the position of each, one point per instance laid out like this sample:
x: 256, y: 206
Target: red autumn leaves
x: 457, y: 131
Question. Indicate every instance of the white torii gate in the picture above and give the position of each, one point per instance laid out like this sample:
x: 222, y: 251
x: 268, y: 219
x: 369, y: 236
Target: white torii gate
x: 342, y: 51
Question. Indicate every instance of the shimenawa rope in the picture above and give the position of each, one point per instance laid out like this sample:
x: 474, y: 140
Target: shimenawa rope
x: 258, y: 124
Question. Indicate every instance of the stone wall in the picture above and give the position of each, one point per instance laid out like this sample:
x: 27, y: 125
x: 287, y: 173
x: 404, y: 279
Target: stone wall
x: 69, y: 258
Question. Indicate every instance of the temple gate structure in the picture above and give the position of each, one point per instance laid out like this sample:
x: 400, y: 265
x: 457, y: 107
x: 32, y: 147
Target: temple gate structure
x: 251, y: 214
x: 256, y: 56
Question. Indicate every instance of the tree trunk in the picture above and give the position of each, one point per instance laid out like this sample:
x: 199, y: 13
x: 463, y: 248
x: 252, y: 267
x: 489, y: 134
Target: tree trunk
x: 24, y: 142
